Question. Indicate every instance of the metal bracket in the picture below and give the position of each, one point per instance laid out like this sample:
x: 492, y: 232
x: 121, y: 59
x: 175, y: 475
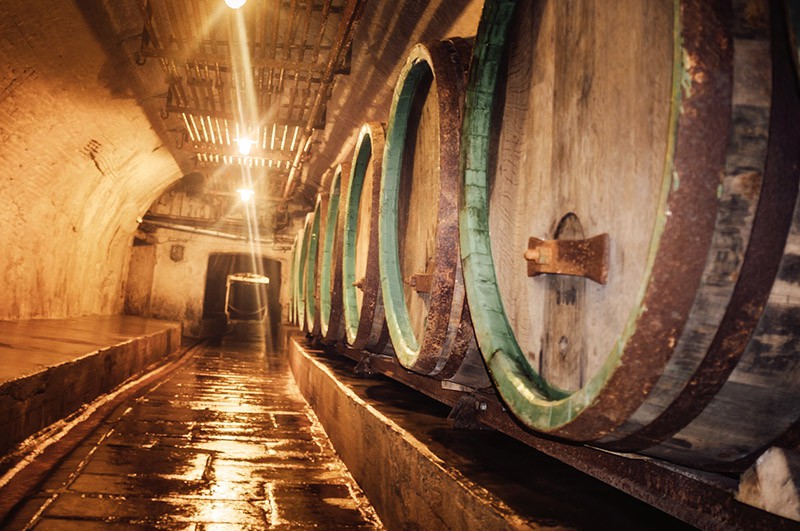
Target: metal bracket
x: 359, y: 284
x: 467, y: 412
x: 364, y: 367
x: 422, y: 282
x: 581, y: 258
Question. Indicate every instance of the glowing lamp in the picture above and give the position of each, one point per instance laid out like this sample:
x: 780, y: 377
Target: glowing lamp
x: 246, y: 194
x: 235, y: 4
x: 245, y: 145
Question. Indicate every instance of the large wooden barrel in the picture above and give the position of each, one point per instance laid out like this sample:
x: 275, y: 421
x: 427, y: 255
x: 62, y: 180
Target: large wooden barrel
x: 422, y: 285
x: 647, y: 149
x: 330, y: 277
x: 364, y: 322
x: 302, y: 271
x: 311, y: 292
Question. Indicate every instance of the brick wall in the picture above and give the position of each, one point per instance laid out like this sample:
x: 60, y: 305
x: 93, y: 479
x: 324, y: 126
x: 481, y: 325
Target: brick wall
x: 79, y: 162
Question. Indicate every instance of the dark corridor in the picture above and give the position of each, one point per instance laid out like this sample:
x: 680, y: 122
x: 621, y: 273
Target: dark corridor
x: 220, y: 266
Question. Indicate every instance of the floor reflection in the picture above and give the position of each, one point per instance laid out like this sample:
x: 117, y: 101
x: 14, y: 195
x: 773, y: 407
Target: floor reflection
x: 226, y: 441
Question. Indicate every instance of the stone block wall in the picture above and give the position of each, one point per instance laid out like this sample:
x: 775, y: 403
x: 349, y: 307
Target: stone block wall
x: 178, y: 286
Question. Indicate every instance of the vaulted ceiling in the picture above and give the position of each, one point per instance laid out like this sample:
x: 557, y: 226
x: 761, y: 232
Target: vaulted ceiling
x: 106, y: 104
x: 248, y: 86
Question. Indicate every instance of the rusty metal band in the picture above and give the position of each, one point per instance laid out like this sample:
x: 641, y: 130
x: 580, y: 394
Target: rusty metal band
x: 363, y: 328
x: 331, y: 318
x: 761, y: 263
x: 434, y: 353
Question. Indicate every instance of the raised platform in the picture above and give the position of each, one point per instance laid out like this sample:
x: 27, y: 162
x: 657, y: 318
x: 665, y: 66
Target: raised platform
x: 50, y: 367
x: 421, y: 473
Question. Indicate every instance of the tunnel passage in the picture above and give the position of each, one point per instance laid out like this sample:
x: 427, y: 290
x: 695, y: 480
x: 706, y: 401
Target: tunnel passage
x: 220, y: 266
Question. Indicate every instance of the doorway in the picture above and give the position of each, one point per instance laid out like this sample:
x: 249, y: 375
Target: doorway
x: 220, y: 267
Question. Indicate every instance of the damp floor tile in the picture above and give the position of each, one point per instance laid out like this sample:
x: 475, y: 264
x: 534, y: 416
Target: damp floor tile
x: 225, y: 442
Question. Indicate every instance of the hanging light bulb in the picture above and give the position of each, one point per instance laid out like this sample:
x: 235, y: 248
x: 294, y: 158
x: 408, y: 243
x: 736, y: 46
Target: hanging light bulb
x: 245, y: 145
x: 235, y: 4
x: 246, y: 194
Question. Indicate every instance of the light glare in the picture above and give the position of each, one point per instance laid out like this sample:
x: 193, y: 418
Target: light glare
x: 245, y: 145
x: 246, y: 194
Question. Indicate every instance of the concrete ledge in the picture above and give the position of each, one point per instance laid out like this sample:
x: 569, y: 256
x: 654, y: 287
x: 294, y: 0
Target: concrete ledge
x: 50, y: 367
x: 420, y: 473
x: 285, y: 333
x: 407, y: 484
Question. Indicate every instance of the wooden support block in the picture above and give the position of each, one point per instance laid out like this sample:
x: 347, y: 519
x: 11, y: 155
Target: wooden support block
x: 773, y: 483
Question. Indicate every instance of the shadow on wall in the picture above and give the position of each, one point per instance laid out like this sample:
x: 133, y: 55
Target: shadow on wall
x: 220, y: 265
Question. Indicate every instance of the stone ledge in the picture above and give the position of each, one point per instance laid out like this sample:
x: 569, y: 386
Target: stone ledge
x: 407, y: 484
x: 50, y: 367
x: 420, y: 473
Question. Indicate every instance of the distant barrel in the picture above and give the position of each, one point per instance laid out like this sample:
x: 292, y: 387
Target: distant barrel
x: 629, y: 228
x: 302, y: 271
x: 296, y: 274
x: 365, y: 326
x: 423, y: 288
x: 292, y: 318
x: 247, y: 308
x: 310, y: 291
x: 330, y: 259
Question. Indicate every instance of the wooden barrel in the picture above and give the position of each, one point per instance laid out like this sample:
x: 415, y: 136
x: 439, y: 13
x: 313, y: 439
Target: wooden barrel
x: 296, y: 273
x: 635, y: 159
x: 312, y: 266
x: 422, y: 285
x: 302, y: 271
x: 292, y: 314
x: 330, y: 262
x: 364, y: 323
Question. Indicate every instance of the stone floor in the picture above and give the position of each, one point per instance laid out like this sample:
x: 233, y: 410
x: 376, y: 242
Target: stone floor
x: 225, y: 442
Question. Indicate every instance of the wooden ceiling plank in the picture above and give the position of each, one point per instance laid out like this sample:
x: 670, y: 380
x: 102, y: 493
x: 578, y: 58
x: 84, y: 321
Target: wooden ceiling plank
x: 344, y: 35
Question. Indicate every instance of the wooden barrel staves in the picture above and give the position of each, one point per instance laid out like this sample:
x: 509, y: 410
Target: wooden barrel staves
x: 422, y: 285
x: 365, y: 326
x: 302, y: 271
x: 292, y: 315
x: 296, y: 273
x: 639, y: 167
x: 330, y: 261
x: 311, y: 292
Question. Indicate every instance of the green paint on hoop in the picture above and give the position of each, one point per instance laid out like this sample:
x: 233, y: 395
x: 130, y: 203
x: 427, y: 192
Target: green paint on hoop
x: 292, y: 260
x: 311, y: 269
x: 298, y: 241
x: 404, y: 341
x: 326, y: 255
x: 357, y: 173
x: 527, y: 394
x: 301, y: 274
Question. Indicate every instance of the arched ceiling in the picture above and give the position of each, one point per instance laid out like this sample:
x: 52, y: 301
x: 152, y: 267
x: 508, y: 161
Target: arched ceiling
x: 86, y: 151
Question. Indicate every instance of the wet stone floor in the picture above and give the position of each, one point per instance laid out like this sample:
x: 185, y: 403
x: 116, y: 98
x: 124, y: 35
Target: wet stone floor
x: 224, y: 442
